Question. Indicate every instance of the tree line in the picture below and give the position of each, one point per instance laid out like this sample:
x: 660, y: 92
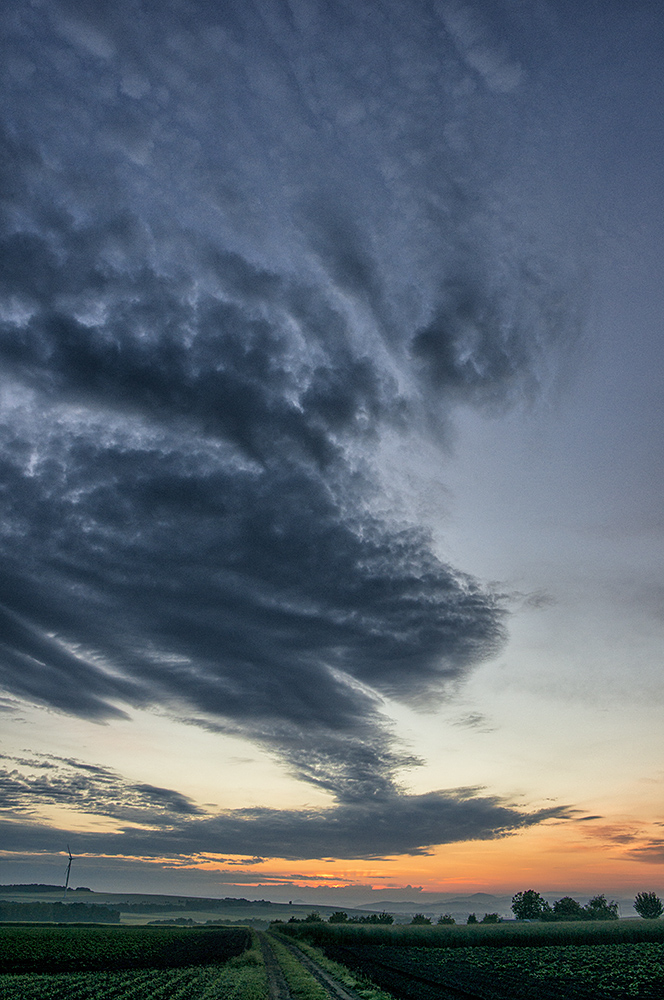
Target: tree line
x: 60, y: 912
x: 526, y: 905
x: 530, y: 905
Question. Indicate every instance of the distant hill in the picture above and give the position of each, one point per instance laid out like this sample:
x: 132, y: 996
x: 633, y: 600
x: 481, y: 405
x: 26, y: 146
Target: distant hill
x: 32, y: 887
x: 141, y: 908
x: 427, y: 904
x: 40, y: 887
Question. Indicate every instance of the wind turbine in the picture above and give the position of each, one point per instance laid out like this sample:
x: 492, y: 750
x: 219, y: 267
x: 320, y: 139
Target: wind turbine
x: 64, y: 895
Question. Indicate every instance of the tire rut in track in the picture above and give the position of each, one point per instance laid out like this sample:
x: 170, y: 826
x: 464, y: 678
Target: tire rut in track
x: 276, y: 981
x: 335, y: 989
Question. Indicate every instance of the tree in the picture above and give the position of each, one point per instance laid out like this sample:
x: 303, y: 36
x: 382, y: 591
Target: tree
x: 648, y: 905
x: 446, y: 918
x: 338, y: 917
x: 419, y: 918
x: 599, y: 908
x: 567, y: 909
x: 528, y: 905
x: 312, y: 918
x: 490, y: 918
x: 472, y: 919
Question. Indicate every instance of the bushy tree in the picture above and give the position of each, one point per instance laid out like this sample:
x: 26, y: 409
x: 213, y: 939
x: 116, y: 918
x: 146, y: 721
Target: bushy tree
x: 373, y: 918
x: 528, y: 905
x: 472, y: 919
x: 567, y: 909
x: 648, y: 905
x: 599, y: 908
x: 420, y: 918
x: 446, y: 918
x: 490, y: 918
x: 312, y: 918
x: 338, y: 917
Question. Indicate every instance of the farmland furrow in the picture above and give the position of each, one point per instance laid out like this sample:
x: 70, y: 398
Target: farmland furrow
x: 407, y: 984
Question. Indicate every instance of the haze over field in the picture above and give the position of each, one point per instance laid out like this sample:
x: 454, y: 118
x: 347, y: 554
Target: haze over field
x: 331, y: 456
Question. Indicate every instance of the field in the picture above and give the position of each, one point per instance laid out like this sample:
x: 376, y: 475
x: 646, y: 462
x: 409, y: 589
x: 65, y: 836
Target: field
x: 507, y: 935
x: 230, y: 982
x: 51, y: 948
x: 504, y: 962
x: 130, y: 964
x: 508, y: 962
x: 139, y: 909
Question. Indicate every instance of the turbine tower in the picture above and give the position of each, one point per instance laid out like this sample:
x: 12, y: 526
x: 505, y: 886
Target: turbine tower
x: 64, y: 895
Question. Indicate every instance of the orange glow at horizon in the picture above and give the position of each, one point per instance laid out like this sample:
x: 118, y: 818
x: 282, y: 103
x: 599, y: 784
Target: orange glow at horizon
x: 565, y: 857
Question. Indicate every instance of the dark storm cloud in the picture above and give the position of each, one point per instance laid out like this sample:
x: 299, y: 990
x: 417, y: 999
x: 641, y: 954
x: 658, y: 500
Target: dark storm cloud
x: 88, y: 789
x: 238, y: 244
x: 388, y: 825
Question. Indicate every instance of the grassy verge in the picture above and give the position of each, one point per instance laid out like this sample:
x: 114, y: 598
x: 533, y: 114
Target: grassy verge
x: 363, y: 986
x: 244, y: 977
x: 302, y: 984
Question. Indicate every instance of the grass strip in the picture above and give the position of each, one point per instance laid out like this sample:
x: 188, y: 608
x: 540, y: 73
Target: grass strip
x: 301, y: 983
x: 243, y: 977
x: 354, y: 981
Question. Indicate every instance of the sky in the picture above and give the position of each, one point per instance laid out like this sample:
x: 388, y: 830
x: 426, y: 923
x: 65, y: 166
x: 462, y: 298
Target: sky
x: 331, y: 463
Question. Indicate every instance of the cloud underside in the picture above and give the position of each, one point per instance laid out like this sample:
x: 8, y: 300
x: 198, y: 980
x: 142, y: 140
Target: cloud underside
x: 204, y: 345
x: 159, y: 822
x: 398, y: 825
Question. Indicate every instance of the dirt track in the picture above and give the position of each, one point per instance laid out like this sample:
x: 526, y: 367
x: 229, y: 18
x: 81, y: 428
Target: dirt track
x: 277, y: 983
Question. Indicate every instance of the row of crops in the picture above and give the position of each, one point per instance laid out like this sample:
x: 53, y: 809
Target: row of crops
x: 233, y: 980
x: 576, y: 972
x: 25, y: 948
x: 512, y: 934
x: 494, y: 963
x: 228, y: 964
x: 146, y: 964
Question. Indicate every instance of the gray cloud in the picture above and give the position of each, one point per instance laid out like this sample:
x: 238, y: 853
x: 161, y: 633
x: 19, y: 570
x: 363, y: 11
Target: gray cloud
x: 475, y: 720
x: 478, y: 47
x: 87, y: 788
x: 651, y: 853
x: 203, y: 338
x: 372, y: 819
x: 388, y: 825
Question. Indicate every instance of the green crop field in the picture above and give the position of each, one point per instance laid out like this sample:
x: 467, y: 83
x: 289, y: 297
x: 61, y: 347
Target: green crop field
x: 48, y: 948
x: 193, y: 983
x: 224, y: 969
x: 576, y: 972
x: 504, y: 962
x: 510, y: 934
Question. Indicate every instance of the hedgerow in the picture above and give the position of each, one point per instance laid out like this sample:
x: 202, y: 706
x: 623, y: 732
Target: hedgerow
x: 508, y: 934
